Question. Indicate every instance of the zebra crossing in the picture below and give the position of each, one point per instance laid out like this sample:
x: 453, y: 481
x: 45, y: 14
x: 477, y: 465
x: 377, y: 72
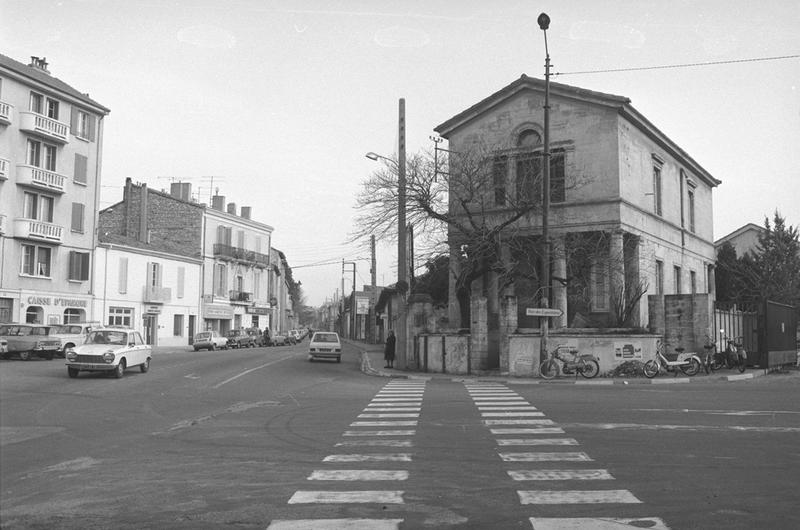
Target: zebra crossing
x: 506, y: 413
x: 385, y: 428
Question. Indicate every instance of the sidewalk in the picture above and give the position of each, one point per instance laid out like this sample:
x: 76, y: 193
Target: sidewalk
x: 372, y: 363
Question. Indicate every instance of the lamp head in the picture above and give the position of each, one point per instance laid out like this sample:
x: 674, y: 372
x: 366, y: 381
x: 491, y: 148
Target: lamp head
x: 372, y: 156
x: 544, y: 21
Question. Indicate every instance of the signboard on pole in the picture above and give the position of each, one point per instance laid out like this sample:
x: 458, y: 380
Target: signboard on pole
x: 543, y: 312
x: 362, y: 305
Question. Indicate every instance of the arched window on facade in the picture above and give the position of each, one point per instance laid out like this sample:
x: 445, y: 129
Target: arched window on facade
x: 34, y: 315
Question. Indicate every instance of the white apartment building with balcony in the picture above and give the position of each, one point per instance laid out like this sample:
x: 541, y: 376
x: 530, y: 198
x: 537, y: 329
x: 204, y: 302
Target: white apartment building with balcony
x: 50, y: 158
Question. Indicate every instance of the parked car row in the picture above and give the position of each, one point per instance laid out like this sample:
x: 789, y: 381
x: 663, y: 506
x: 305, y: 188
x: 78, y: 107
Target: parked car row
x: 29, y: 340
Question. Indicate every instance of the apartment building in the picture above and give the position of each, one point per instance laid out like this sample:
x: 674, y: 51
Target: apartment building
x: 51, y: 138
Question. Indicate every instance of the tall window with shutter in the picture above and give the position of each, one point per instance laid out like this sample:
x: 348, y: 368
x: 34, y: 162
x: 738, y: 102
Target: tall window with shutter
x: 77, y: 217
x: 82, y: 124
x: 78, y: 266
x: 153, y: 274
x: 81, y: 169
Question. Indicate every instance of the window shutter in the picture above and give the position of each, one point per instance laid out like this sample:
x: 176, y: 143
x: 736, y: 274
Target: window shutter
x: 73, y: 265
x: 73, y: 121
x: 92, y: 122
x: 181, y: 277
x: 84, y: 259
x: 159, y: 270
x: 221, y: 235
x: 77, y: 217
x: 81, y: 170
x: 123, y: 275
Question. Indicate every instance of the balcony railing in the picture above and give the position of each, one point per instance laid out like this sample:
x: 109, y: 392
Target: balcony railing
x: 40, y: 178
x: 38, y: 230
x: 4, y: 165
x: 157, y: 294
x: 240, y: 296
x: 241, y: 254
x: 5, y: 112
x: 36, y: 123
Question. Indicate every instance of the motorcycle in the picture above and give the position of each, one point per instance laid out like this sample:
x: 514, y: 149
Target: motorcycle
x: 687, y: 362
x: 584, y: 364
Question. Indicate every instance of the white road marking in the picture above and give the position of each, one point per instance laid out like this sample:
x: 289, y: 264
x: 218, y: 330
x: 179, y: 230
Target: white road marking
x: 497, y: 398
x: 501, y: 403
x: 518, y: 422
x: 392, y: 409
x: 509, y: 414
x: 335, y: 524
x: 561, y: 474
x: 375, y: 443
x: 390, y: 404
x: 540, y: 430
x: 401, y: 432
x: 342, y: 497
x: 577, y: 497
x: 395, y: 400
x: 537, y: 441
x: 493, y: 393
x: 402, y: 415
x: 357, y: 474
x: 377, y: 457
x: 646, y: 427
x: 725, y: 412
x: 596, y: 523
x: 409, y: 423
x: 507, y: 407
x: 237, y: 376
x: 545, y: 457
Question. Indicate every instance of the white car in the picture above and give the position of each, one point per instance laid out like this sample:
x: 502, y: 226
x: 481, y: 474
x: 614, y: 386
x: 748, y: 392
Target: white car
x: 72, y: 334
x: 210, y: 340
x: 109, y: 350
x: 325, y: 345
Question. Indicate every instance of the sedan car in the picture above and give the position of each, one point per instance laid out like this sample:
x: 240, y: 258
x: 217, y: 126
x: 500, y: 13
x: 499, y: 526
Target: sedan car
x: 109, y: 350
x: 279, y: 339
x: 210, y: 340
x: 325, y: 345
x: 27, y: 340
x: 239, y: 338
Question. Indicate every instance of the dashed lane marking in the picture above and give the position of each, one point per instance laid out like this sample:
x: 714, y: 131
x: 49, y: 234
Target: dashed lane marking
x: 336, y: 524
x: 378, y: 457
x: 347, y: 497
x: 561, y: 474
x: 577, y: 497
x: 545, y: 457
x: 358, y: 474
x: 537, y: 441
x: 596, y: 523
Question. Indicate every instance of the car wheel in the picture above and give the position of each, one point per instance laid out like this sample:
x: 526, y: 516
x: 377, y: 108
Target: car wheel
x: 339, y: 359
x: 145, y: 366
x: 119, y: 371
x: 25, y: 355
x: 212, y: 347
x: 196, y: 348
x: 73, y: 372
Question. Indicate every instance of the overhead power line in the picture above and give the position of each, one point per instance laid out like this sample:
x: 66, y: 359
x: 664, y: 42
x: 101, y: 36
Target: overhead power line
x: 685, y: 65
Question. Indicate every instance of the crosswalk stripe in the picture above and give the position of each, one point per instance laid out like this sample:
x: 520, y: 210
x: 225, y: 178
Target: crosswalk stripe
x: 395, y: 432
x: 518, y: 422
x: 545, y: 457
x: 539, y: 430
x: 409, y: 423
x: 509, y: 414
x: 375, y: 443
x: 493, y: 393
x: 537, y: 441
x: 397, y: 400
x: 498, y: 398
x: 346, y: 497
x: 335, y: 524
x: 507, y: 407
x: 417, y: 405
x: 577, y: 497
x: 595, y: 523
x: 561, y: 474
x: 403, y: 415
x: 392, y: 409
x: 502, y: 403
x: 357, y: 474
x: 378, y: 457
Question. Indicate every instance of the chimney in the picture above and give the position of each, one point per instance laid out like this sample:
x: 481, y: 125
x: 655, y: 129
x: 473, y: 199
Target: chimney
x: 181, y: 190
x: 232, y: 208
x: 39, y: 63
x: 218, y: 202
x: 246, y: 211
x: 143, y: 235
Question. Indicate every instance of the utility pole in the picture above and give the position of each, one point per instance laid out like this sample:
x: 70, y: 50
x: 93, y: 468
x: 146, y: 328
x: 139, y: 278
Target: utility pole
x: 372, y: 301
x: 402, y: 263
x: 544, y: 24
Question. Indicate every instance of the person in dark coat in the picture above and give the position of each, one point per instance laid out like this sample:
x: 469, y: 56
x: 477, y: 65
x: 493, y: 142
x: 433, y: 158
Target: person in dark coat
x: 388, y: 351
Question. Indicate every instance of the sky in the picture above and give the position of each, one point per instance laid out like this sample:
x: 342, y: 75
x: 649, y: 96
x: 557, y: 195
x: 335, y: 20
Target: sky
x: 279, y: 101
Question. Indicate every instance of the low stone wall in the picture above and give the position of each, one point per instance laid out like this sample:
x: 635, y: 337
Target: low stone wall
x: 610, y: 349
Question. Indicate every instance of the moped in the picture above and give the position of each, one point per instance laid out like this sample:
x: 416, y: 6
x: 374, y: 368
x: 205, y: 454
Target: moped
x: 584, y: 364
x: 687, y: 362
x: 734, y: 356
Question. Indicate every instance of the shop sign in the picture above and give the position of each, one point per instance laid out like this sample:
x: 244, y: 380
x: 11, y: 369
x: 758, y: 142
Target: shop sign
x: 217, y: 312
x: 49, y: 300
x: 362, y: 306
x: 257, y: 310
x: 152, y: 309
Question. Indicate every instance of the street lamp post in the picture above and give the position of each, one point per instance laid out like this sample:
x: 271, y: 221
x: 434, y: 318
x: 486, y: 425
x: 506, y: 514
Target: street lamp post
x: 352, y: 299
x: 402, y: 260
x: 544, y: 24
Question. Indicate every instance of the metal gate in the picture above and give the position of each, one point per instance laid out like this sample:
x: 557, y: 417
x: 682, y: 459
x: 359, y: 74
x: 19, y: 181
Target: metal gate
x: 780, y: 335
x: 768, y: 332
x: 739, y: 324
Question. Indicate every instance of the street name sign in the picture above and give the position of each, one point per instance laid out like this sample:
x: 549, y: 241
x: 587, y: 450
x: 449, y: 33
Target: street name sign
x: 543, y: 312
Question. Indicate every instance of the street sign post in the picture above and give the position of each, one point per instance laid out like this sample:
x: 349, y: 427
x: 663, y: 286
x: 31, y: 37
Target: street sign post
x: 543, y: 312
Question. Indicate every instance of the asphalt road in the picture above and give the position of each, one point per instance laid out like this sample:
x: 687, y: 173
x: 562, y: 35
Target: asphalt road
x: 261, y: 438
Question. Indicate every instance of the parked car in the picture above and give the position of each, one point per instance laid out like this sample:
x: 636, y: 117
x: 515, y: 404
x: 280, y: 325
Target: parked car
x: 295, y: 335
x: 72, y: 334
x: 239, y: 338
x: 3, y: 347
x: 209, y: 340
x: 109, y: 350
x: 27, y: 340
x: 291, y: 338
x: 325, y: 345
x: 279, y: 339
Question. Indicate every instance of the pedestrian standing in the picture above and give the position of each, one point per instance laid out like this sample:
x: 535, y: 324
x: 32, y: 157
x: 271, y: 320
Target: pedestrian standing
x: 388, y: 351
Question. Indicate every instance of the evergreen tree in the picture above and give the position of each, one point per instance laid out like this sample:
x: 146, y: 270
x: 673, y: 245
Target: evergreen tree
x: 777, y: 262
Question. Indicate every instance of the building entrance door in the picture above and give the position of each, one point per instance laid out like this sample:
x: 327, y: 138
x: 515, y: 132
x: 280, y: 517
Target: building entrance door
x: 151, y: 329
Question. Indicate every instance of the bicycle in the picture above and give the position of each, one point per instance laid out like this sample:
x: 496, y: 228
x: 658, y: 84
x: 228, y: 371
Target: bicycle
x: 584, y: 364
x: 735, y: 356
x: 688, y: 363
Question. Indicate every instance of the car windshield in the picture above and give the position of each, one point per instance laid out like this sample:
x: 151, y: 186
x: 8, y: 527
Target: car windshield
x: 67, y: 329
x: 326, y: 337
x: 107, y: 337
